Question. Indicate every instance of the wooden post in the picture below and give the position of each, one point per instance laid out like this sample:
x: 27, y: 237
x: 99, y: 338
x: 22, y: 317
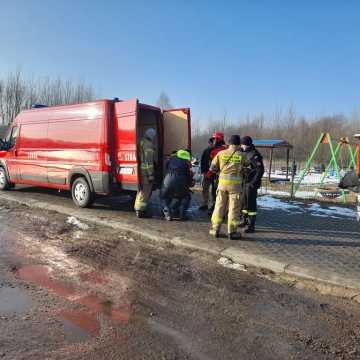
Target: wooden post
x: 270, y: 165
x: 293, y: 173
x: 287, y: 163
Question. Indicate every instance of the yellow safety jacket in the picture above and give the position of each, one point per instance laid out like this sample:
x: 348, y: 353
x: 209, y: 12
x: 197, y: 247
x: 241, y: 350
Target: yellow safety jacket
x: 147, y: 158
x: 230, y: 165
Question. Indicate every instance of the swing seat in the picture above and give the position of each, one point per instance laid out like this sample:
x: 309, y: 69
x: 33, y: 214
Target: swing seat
x: 331, y: 193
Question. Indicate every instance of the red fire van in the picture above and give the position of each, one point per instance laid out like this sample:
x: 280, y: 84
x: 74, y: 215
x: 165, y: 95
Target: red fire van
x: 89, y: 148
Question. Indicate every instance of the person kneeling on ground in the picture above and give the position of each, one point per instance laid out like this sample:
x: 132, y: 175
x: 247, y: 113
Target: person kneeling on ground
x: 176, y: 185
x: 229, y: 164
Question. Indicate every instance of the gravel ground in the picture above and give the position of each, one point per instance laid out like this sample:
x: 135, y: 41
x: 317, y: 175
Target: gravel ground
x: 71, y: 290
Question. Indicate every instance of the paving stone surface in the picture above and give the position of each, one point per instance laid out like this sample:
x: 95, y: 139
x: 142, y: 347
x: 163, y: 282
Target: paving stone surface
x: 324, y: 241
x: 302, y: 237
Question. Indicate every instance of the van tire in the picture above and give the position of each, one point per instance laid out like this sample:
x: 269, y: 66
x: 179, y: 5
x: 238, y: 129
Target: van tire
x: 4, y: 183
x: 81, y: 193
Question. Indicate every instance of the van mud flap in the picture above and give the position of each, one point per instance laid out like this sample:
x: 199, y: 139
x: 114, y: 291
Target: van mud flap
x: 100, y: 181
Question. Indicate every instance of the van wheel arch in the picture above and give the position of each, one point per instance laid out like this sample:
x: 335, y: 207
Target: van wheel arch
x: 79, y: 172
x: 81, y: 192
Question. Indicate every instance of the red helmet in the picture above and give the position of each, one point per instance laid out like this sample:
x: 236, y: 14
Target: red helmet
x: 218, y: 136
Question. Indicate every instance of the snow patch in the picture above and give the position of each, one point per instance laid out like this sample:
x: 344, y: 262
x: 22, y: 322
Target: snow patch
x: 225, y: 262
x: 298, y: 194
x: 53, y: 256
x: 311, y: 178
x: 335, y: 212
x: 76, y: 222
x: 268, y: 202
x: 78, y: 234
x: 274, y: 192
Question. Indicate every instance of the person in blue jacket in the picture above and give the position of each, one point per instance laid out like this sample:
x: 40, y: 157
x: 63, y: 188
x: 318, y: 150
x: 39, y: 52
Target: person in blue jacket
x: 176, y: 185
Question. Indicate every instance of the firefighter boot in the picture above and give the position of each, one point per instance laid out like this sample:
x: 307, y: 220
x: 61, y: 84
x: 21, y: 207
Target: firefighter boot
x: 250, y: 228
x: 167, y: 214
x: 143, y: 214
x: 234, y: 236
x: 215, y: 232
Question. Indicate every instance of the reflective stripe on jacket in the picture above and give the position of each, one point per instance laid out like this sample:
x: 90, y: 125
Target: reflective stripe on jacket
x: 229, y: 164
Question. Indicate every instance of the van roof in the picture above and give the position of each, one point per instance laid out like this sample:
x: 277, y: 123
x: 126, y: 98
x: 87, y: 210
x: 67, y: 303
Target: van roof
x: 87, y: 110
x: 87, y: 103
x: 62, y: 112
x: 67, y: 105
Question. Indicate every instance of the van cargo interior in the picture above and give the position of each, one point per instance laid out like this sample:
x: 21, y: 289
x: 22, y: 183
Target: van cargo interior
x: 150, y: 118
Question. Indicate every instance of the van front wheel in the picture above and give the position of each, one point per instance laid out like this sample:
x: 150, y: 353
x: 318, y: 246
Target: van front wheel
x: 81, y: 193
x: 4, y: 183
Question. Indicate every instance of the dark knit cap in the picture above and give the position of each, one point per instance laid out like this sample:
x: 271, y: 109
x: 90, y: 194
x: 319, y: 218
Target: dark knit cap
x: 246, y: 140
x: 234, y: 140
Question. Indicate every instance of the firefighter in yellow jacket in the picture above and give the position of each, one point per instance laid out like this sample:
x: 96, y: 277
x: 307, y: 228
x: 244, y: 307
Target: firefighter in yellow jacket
x: 229, y: 164
x: 147, y: 173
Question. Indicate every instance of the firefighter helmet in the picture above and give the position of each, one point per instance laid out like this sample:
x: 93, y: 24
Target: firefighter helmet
x: 150, y: 133
x: 218, y: 136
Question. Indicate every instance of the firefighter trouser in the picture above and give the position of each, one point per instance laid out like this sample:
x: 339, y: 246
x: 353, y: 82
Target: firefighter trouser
x: 206, y: 185
x: 143, y: 196
x: 250, y: 203
x: 226, y: 202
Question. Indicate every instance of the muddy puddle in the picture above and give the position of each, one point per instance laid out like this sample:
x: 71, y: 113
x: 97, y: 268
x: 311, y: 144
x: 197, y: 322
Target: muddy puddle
x: 13, y: 300
x: 40, y: 275
x: 78, y: 324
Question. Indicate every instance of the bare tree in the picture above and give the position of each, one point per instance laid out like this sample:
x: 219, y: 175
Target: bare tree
x: 299, y: 131
x: 11, y: 96
x: 18, y: 93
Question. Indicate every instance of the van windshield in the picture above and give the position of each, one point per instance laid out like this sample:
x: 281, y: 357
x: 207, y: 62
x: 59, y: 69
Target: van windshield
x: 7, y: 134
x: 9, y: 140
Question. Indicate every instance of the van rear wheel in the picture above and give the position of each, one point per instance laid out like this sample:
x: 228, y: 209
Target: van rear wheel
x: 4, y: 183
x: 81, y: 193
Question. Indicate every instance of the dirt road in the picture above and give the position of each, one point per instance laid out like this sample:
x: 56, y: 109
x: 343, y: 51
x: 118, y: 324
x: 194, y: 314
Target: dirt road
x: 70, y: 290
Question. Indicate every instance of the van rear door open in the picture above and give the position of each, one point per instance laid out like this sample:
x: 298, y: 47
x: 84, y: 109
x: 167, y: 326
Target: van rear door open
x: 125, y: 153
x: 176, y: 130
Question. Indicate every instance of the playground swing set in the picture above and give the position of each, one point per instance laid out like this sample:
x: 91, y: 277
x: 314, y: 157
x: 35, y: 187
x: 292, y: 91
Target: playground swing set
x: 343, y: 156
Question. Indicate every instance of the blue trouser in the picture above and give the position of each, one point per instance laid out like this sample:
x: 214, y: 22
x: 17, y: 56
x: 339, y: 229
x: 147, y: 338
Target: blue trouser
x: 175, y: 187
x: 173, y: 205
